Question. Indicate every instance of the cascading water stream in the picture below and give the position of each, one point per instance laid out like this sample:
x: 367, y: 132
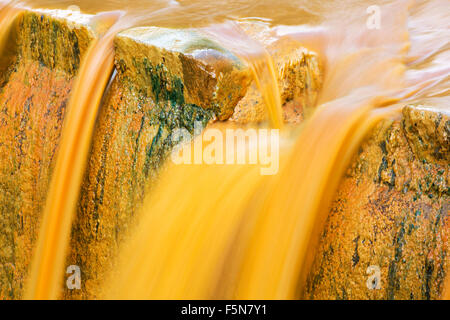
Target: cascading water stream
x: 235, y: 233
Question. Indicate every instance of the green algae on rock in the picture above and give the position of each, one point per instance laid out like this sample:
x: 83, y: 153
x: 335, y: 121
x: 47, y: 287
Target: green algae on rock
x: 165, y: 79
x: 211, y: 76
x: 398, y: 224
x: 46, y: 49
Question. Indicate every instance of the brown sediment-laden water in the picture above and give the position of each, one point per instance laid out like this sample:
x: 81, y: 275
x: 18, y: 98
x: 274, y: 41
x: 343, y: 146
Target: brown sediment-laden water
x: 91, y: 98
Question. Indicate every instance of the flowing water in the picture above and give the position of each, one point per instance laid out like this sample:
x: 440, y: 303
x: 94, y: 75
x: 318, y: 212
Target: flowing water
x: 234, y: 233
x: 48, y: 265
x: 7, y: 16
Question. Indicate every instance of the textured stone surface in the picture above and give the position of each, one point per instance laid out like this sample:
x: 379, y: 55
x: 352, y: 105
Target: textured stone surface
x: 166, y: 79
x: 299, y: 76
x: 33, y: 97
x: 211, y: 77
x: 391, y: 212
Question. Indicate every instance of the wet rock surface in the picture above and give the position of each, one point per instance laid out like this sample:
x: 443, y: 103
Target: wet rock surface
x: 390, y: 213
x: 166, y: 79
x: 386, y: 236
x: 299, y: 74
x: 34, y: 93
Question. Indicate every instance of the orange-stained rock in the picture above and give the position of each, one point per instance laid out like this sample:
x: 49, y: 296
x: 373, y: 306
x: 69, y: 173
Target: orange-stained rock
x: 390, y: 215
x: 33, y: 96
x: 299, y: 75
x: 166, y: 79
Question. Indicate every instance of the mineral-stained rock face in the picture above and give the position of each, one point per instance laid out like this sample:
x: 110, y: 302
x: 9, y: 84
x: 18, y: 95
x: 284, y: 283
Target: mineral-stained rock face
x: 387, y: 233
x: 299, y: 75
x: 33, y: 97
x: 166, y: 79
x: 160, y: 61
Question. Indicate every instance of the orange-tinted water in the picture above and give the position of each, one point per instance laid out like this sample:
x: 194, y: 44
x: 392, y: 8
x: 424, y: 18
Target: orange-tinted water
x: 48, y: 265
x: 235, y: 233
x: 7, y: 16
x: 258, y: 244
